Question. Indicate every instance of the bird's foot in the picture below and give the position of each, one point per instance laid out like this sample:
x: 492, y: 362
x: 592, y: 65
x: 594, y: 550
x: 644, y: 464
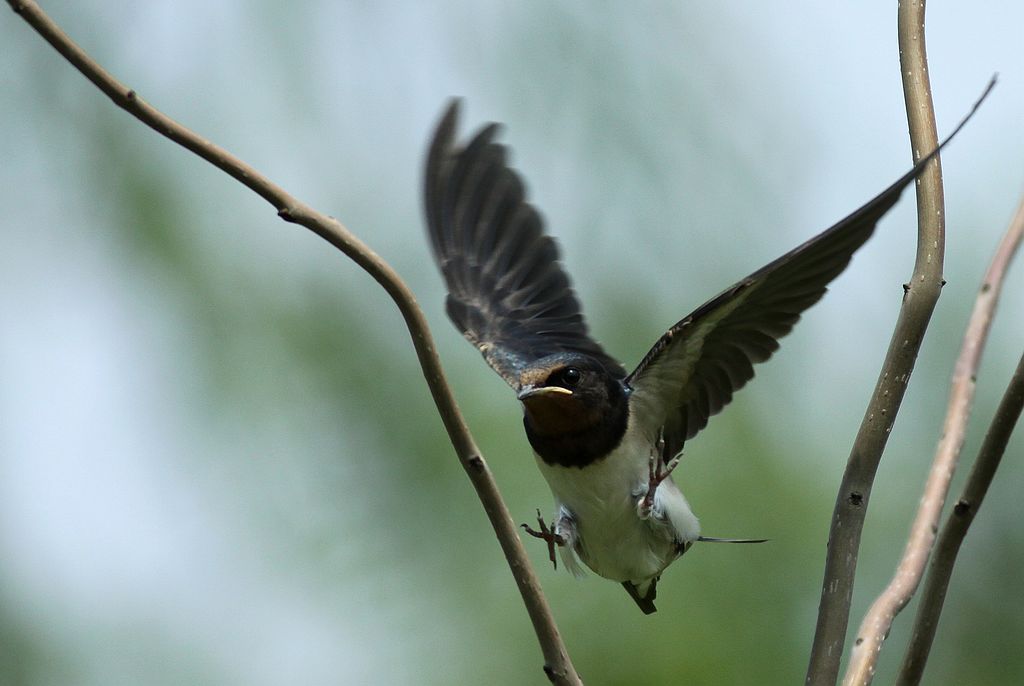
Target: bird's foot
x: 547, y: 535
x: 657, y: 471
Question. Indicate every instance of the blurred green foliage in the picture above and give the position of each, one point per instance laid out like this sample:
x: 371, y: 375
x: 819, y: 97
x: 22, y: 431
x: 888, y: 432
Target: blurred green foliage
x: 292, y: 413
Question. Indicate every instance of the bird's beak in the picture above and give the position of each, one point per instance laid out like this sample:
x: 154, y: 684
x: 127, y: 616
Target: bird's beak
x: 527, y: 392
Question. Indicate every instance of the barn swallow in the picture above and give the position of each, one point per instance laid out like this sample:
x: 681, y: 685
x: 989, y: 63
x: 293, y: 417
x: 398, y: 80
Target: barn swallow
x: 606, y: 441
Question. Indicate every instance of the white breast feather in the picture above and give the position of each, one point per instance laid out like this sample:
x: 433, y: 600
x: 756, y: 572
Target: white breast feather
x: 602, y: 499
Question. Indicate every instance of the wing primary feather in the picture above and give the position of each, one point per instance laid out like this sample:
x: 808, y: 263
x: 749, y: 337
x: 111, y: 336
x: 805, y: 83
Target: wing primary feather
x: 693, y: 370
x: 507, y: 291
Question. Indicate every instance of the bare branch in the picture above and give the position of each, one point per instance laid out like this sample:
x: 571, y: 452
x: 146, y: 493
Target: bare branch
x: 558, y: 665
x: 920, y: 296
x: 878, y: 620
x: 941, y: 568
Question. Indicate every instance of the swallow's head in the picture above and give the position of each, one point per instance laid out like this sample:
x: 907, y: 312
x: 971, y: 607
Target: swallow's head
x: 569, y: 399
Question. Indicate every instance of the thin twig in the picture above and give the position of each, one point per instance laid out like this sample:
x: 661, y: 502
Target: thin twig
x: 558, y: 665
x: 941, y: 567
x: 920, y: 296
x: 879, y: 618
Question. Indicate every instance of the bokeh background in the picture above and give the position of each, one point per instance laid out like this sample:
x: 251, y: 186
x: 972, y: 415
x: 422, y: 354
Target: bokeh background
x: 219, y: 463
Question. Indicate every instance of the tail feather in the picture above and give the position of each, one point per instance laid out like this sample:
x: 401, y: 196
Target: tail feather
x: 710, y: 539
x: 644, y: 601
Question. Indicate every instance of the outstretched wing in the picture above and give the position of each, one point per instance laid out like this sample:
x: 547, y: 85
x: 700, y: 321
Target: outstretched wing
x: 693, y: 370
x: 507, y: 291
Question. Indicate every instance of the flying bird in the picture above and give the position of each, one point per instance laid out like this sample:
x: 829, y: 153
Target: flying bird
x: 606, y: 441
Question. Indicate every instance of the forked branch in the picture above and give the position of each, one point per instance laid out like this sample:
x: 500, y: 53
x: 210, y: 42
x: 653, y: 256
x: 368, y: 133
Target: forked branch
x: 959, y: 520
x: 878, y: 620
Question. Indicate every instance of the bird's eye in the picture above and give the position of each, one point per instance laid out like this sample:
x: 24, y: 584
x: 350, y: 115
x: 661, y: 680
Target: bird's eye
x: 571, y: 377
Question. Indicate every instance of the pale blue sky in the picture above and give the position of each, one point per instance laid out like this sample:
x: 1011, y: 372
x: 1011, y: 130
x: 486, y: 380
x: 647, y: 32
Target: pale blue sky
x: 693, y: 141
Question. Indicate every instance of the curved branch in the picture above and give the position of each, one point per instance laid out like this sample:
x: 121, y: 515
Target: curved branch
x: 941, y: 568
x: 920, y: 296
x: 879, y: 618
x: 558, y: 666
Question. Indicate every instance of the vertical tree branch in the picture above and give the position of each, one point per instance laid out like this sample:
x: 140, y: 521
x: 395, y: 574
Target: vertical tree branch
x: 920, y: 296
x: 878, y: 620
x: 941, y: 568
x: 558, y: 665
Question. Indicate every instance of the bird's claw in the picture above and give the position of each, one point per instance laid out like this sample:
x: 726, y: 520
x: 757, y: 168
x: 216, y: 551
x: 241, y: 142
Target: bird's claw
x: 548, y: 535
x: 657, y: 471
